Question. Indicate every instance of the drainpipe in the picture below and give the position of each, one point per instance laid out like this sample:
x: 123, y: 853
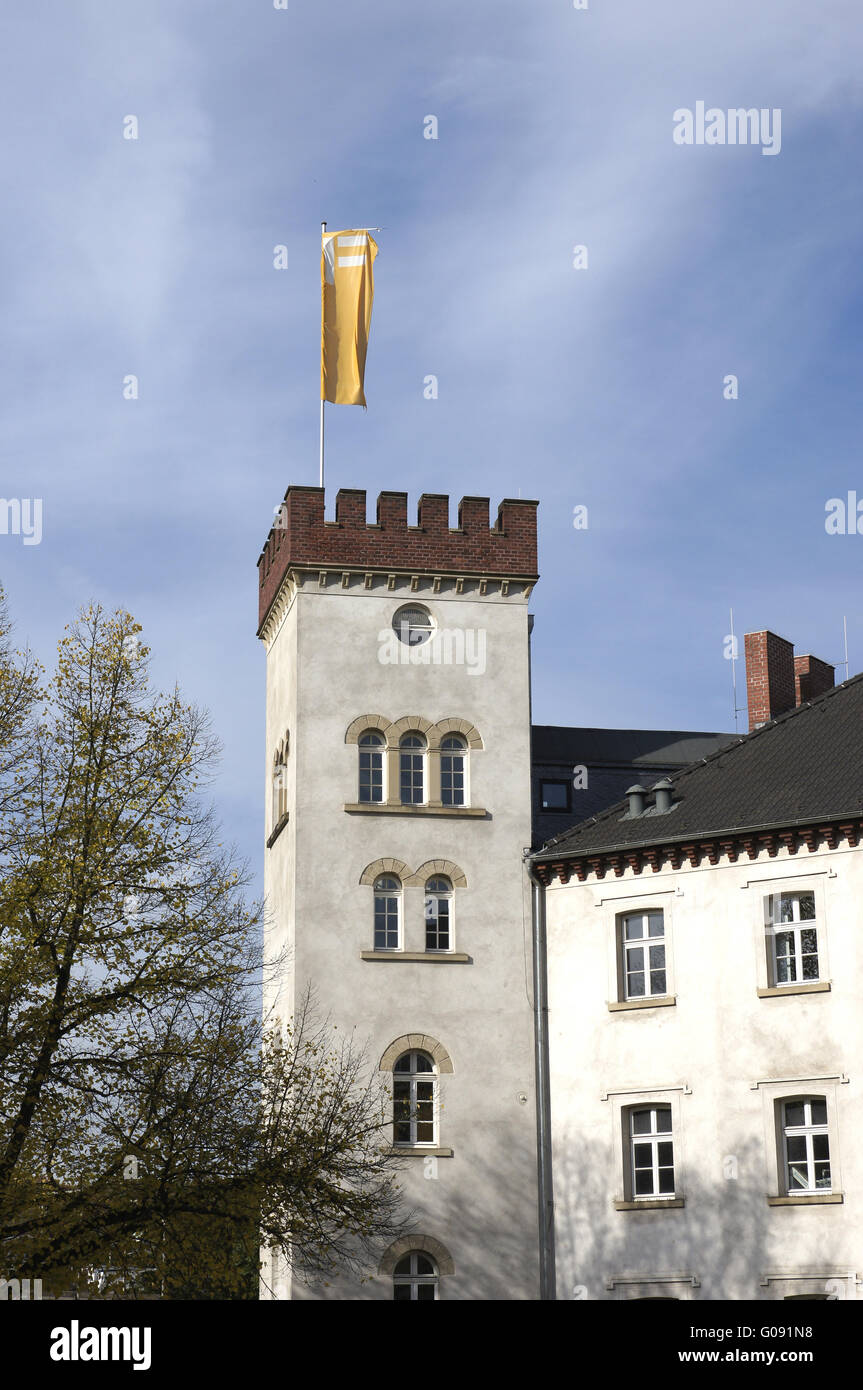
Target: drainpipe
x: 547, y: 1288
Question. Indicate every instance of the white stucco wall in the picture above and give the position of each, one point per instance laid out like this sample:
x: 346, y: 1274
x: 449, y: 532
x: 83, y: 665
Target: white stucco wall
x: 730, y: 1054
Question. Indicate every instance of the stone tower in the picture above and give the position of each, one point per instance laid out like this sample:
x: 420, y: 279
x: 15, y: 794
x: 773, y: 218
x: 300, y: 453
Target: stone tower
x: 398, y: 809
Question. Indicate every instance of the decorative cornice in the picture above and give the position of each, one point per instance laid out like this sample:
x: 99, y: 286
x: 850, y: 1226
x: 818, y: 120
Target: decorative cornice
x: 696, y: 852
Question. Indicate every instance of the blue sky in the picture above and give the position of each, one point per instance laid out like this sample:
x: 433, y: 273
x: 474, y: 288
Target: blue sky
x: 601, y: 387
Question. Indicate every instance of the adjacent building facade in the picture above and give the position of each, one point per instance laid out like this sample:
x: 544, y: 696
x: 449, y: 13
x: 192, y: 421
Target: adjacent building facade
x: 704, y: 974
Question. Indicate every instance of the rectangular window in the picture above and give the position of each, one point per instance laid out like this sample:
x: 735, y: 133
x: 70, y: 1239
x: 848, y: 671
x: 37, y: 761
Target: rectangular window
x: 651, y: 1152
x: 386, y: 922
x: 452, y: 778
x: 806, y: 1142
x: 554, y: 796
x: 792, y: 938
x: 411, y: 778
x: 641, y: 948
x: 437, y: 923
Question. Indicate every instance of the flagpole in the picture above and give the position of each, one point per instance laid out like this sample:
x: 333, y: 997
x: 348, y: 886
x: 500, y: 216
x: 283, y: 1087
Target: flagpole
x: 323, y: 232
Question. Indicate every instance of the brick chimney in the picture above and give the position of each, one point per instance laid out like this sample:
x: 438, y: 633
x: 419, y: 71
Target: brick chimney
x: 812, y: 677
x: 769, y: 676
x: 777, y: 680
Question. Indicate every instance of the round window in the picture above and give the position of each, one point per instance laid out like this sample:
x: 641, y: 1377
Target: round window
x: 413, y: 625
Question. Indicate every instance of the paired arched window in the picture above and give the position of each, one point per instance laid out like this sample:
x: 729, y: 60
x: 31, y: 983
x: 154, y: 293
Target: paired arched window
x: 371, y: 746
x: 414, y: 1100
x: 415, y: 1278
x: 388, y: 900
x: 412, y: 764
x: 439, y: 914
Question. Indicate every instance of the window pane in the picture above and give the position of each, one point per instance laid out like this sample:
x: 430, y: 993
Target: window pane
x: 663, y: 1121
x: 635, y: 985
x: 424, y: 1063
x: 822, y: 1174
x: 657, y: 982
x: 796, y: 1148
x: 666, y: 1180
x: 634, y: 927
x: 401, y: 1293
x: 820, y: 1146
x: 641, y: 1121
x: 793, y: 1113
x: 425, y: 1132
x: 635, y: 958
x: 644, y: 1183
x: 810, y: 967
x: 819, y: 1112
x: 403, y: 1266
x: 425, y: 1293
x: 657, y: 957
x: 797, y: 1178
x: 554, y: 796
x: 655, y: 924
x: 642, y: 1155
x: 807, y: 907
x: 665, y: 1154
x: 424, y: 1265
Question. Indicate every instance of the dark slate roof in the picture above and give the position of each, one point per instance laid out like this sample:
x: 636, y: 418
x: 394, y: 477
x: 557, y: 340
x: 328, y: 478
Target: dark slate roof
x: 805, y: 766
x: 552, y: 743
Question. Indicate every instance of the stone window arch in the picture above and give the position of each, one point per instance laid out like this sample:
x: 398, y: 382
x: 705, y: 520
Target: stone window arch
x: 431, y: 867
x: 357, y: 727
x: 385, y: 866
x: 464, y: 727
x: 406, y: 1245
x: 417, y: 1042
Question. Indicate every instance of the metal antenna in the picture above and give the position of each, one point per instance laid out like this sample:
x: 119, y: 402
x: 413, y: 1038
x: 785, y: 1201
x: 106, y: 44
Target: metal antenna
x: 845, y: 632
x: 733, y: 669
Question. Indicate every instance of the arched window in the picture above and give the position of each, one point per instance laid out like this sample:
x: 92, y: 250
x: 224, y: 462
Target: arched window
x: 453, y: 770
x: 414, y: 1100
x: 412, y: 757
x: 439, y: 914
x: 415, y: 1278
x: 388, y: 892
x: 280, y: 782
x: 371, y: 746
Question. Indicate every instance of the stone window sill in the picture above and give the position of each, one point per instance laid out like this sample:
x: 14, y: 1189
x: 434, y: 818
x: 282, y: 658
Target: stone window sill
x: 658, y: 1001
x: 407, y: 1151
x: 650, y: 1204
x: 439, y: 957
x: 280, y: 825
x: 395, y: 808
x: 806, y: 1199
x: 814, y: 987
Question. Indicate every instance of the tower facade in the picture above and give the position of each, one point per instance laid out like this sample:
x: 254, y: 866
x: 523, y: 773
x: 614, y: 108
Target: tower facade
x: 398, y: 790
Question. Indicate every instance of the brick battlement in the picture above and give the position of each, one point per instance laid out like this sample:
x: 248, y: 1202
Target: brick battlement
x: 301, y: 536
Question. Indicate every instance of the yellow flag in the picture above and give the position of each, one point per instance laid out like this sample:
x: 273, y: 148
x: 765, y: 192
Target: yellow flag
x: 347, y: 290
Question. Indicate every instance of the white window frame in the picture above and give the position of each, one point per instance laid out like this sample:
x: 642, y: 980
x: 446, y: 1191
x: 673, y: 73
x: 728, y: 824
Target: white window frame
x: 421, y: 751
x: 773, y: 1095
x: 642, y: 943
x: 447, y: 896
x: 808, y: 1131
x: 378, y: 743
x: 622, y: 1102
x: 653, y: 1138
x: 463, y: 751
x: 388, y: 893
x: 414, y: 1280
x: 414, y: 1077
x: 774, y: 927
